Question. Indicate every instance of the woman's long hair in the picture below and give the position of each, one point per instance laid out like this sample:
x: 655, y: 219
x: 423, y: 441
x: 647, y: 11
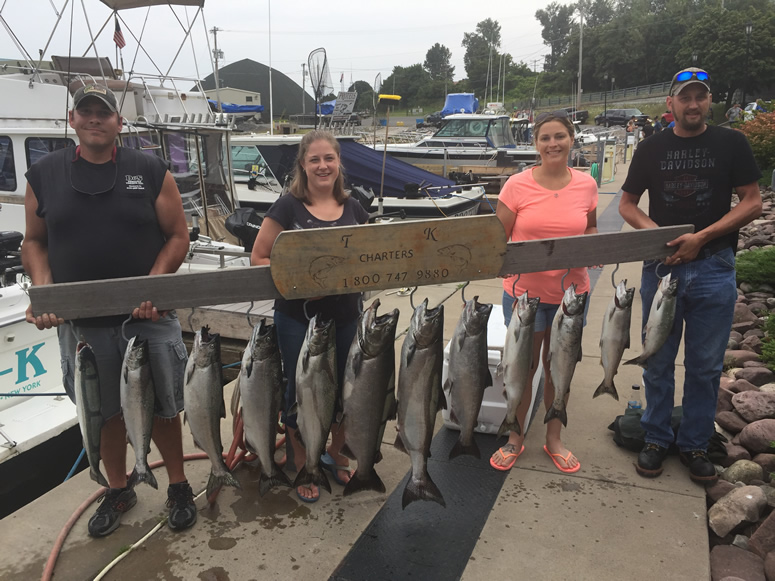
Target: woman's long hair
x: 298, y: 185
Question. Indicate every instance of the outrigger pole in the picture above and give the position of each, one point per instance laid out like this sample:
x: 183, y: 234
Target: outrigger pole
x: 389, y: 99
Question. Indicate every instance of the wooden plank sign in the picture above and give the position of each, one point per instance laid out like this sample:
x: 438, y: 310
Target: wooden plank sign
x: 328, y: 261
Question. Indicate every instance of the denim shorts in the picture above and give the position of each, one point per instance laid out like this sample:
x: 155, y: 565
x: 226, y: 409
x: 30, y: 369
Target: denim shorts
x: 168, y: 358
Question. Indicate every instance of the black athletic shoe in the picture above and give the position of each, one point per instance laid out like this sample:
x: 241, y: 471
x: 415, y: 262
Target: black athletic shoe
x: 114, y: 503
x: 180, y: 501
x: 650, y: 460
x: 701, y: 469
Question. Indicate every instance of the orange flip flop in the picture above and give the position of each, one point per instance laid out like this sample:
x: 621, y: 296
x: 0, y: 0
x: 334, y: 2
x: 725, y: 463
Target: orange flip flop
x: 565, y: 459
x: 506, y: 457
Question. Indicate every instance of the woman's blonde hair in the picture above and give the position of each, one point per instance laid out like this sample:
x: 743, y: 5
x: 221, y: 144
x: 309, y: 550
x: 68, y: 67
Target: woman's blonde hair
x: 298, y: 187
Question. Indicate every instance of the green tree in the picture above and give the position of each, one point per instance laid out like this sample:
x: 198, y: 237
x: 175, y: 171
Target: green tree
x: 365, y: 100
x: 437, y: 63
x: 408, y: 82
x: 481, y: 56
x: 556, y: 21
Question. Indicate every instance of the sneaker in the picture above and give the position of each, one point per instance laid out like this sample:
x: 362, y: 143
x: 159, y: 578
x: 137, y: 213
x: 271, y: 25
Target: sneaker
x: 701, y: 469
x: 114, y: 503
x: 650, y: 460
x: 180, y: 501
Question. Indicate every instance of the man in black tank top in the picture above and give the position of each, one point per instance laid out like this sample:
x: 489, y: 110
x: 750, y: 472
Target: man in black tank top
x: 98, y: 212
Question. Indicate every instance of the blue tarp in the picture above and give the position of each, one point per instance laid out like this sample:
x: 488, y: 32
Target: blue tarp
x: 232, y: 108
x: 460, y: 103
x: 326, y: 108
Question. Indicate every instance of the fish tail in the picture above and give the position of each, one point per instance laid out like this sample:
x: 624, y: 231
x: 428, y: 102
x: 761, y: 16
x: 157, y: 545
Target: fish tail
x: 144, y: 475
x: 509, y: 426
x: 217, y: 481
x: 97, y: 476
x: 638, y: 361
x: 277, y: 478
x: 423, y: 489
x: 609, y: 389
x: 371, y: 482
x: 315, y: 476
x: 557, y: 413
x: 461, y: 449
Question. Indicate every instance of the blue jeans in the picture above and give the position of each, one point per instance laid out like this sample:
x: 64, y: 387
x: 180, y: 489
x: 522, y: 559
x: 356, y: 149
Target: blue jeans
x: 544, y: 314
x: 705, y: 306
x: 290, y: 336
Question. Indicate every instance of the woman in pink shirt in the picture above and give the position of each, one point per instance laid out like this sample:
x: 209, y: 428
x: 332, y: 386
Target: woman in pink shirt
x: 550, y: 200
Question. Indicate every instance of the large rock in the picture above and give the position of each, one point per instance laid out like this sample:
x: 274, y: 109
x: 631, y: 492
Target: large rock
x: 754, y: 364
x: 729, y: 561
x: 769, y: 494
x: 743, y: 327
x: 757, y: 436
x: 743, y: 471
x: 769, y: 567
x: 756, y: 375
x: 735, y: 453
x: 766, y: 461
x: 740, y: 356
x: 742, y: 385
x: 754, y: 405
x: 724, y: 401
x: 719, y: 490
x: 735, y: 336
x: 767, y: 387
x: 763, y: 540
x: 731, y: 421
x: 740, y: 505
x: 743, y: 314
x: 726, y: 381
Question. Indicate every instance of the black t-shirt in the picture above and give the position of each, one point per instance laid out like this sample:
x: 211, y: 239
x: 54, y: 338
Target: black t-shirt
x: 690, y: 179
x: 111, y: 234
x: 292, y: 214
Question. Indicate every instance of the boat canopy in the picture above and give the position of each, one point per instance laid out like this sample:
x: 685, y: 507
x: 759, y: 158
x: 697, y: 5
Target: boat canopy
x: 326, y: 108
x: 460, y: 103
x: 126, y: 4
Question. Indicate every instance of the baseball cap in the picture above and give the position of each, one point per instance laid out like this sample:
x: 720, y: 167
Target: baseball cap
x: 686, y: 77
x: 99, y: 92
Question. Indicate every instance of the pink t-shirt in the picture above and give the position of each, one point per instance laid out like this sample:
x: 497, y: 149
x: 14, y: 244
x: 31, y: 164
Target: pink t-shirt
x: 543, y: 213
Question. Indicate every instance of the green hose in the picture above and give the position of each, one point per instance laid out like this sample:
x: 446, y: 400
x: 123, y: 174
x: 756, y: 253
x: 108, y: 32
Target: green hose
x: 593, y: 171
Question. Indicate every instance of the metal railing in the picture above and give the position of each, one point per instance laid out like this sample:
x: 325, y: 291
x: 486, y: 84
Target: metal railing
x: 644, y: 91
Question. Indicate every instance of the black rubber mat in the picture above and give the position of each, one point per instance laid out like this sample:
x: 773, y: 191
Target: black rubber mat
x: 426, y: 541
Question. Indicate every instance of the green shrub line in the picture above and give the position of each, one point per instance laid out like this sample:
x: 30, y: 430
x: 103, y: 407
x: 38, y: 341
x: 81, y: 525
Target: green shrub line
x: 757, y: 266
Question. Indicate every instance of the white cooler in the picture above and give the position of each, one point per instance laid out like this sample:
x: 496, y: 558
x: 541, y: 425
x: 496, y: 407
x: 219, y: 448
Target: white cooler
x: 493, y: 408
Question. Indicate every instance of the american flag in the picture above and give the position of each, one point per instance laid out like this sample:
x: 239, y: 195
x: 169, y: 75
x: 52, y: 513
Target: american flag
x: 118, y: 36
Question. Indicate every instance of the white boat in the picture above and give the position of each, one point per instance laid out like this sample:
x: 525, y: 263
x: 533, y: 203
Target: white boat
x: 161, y: 119
x: 263, y: 163
x: 466, y: 139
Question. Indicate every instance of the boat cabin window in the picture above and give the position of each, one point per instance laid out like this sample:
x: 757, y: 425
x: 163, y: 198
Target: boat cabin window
x: 144, y: 142
x: 463, y: 128
x: 37, y: 147
x: 500, y: 133
x: 7, y: 169
x: 181, y: 152
x: 247, y: 159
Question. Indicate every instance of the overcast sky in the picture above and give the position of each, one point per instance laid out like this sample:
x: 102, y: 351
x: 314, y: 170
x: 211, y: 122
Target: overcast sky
x: 361, y: 38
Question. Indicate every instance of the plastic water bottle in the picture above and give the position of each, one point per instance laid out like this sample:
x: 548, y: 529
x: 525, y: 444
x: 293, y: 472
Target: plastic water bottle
x: 634, y: 403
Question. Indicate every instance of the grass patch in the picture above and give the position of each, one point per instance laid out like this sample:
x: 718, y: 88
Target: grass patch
x: 756, y: 266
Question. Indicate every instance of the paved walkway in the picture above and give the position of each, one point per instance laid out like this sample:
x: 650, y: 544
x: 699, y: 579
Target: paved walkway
x: 602, y: 523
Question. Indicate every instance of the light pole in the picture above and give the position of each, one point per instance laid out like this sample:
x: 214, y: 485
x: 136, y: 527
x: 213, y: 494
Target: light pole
x: 748, y: 29
x: 605, y: 93
x: 303, y: 79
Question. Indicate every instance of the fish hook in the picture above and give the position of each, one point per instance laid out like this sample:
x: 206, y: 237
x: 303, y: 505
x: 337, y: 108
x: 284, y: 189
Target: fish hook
x: 123, y: 328
x: 72, y: 330
x: 191, y: 320
x: 656, y: 269
x: 562, y: 280
x: 514, y: 286
x: 463, y: 290
x: 613, y: 274
x: 411, y: 297
x: 247, y: 315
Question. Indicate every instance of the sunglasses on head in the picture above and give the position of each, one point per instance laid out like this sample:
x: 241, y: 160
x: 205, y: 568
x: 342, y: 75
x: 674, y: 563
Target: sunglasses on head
x: 687, y: 75
x: 560, y: 114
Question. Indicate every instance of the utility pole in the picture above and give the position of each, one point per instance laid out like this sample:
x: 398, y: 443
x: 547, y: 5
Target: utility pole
x: 216, y: 55
x: 303, y: 79
x: 581, y: 42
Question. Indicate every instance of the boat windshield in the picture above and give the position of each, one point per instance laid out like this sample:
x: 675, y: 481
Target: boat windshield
x: 247, y: 161
x: 496, y: 131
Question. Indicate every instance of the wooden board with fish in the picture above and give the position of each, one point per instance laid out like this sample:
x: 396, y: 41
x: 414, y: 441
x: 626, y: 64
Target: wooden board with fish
x: 327, y: 261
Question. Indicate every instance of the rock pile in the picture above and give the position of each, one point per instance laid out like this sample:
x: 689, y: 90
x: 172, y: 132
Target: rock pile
x: 740, y: 515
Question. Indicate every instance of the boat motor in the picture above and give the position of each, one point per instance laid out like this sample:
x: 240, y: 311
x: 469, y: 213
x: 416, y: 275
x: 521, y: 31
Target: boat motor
x: 245, y: 223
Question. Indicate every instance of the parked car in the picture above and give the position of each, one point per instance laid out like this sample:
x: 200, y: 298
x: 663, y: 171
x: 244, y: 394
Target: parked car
x: 666, y: 118
x: 621, y: 117
x: 582, y: 116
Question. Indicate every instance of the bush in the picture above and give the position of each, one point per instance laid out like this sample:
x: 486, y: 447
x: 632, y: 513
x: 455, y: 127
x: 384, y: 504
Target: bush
x: 756, y: 266
x: 768, y: 343
x: 760, y: 132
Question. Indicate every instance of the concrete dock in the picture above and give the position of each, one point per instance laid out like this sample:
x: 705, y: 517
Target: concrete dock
x: 602, y: 523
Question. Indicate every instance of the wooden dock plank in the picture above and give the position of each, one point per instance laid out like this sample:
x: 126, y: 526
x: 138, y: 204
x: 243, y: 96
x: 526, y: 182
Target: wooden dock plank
x: 239, y: 284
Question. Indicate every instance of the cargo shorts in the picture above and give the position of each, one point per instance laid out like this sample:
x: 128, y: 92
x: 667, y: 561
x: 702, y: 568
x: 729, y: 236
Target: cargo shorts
x: 167, y: 352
